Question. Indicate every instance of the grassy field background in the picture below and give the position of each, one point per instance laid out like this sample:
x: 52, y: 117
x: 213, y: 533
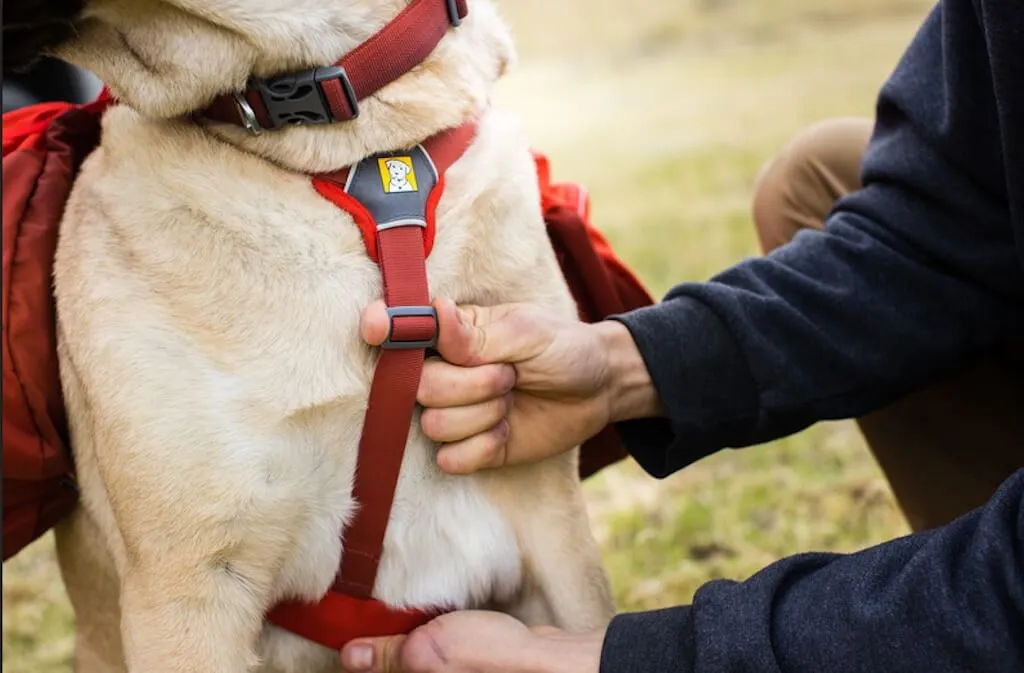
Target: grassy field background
x: 666, y: 110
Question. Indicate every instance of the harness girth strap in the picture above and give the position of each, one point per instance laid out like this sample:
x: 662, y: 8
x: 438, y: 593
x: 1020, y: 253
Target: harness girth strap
x: 390, y: 411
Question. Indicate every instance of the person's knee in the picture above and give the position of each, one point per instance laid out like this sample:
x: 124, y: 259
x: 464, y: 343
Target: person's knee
x: 797, y: 188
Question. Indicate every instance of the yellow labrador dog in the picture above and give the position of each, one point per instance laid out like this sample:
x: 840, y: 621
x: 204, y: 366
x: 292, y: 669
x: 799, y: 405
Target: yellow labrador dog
x: 216, y: 384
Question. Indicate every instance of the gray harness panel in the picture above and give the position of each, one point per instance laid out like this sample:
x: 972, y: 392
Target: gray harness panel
x: 394, y: 186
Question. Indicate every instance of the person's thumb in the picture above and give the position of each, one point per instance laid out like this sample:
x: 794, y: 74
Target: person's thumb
x: 373, y: 655
x: 374, y: 326
x: 468, y: 335
x: 472, y: 335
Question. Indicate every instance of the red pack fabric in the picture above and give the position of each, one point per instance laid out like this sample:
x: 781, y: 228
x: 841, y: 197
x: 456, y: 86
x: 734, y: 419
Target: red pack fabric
x: 601, y: 283
x: 43, y: 148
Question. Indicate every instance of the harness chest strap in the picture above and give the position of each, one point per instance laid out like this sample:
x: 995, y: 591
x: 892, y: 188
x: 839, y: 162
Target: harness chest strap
x: 393, y: 198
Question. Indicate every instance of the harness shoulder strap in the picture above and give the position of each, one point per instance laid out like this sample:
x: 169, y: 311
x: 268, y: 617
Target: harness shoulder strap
x: 393, y: 197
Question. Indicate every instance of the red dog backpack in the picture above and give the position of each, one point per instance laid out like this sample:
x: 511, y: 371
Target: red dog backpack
x: 43, y: 147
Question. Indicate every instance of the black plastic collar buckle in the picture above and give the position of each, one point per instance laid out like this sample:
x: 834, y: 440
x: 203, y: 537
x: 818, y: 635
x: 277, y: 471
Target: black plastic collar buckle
x: 298, y: 99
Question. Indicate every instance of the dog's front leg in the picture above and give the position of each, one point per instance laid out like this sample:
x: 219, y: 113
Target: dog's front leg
x: 204, y: 531
x: 564, y: 583
x: 190, y: 615
x: 190, y: 505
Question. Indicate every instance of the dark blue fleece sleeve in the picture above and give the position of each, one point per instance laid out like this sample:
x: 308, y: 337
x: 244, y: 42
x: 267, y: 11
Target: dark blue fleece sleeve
x: 913, y: 274
x: 945, y: 601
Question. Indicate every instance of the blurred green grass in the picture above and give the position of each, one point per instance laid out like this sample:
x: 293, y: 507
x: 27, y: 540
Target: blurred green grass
x: 666, y: 111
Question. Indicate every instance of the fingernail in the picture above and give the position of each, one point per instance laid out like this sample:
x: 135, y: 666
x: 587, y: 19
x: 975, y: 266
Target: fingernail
x: 358, y: 658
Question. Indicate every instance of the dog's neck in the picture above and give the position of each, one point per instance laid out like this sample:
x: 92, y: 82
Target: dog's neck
x: 333, y: 95
x: 452, y: 85
x: 385, y: 122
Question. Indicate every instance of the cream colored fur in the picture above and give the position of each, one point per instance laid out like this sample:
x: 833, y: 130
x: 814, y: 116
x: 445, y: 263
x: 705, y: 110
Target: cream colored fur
x: 208, y: 306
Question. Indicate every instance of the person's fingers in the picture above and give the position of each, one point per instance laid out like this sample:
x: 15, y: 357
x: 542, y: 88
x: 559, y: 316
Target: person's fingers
x: 459, y: 642
x: 418, y: 652
x: 428, y: 651
x: 479, y: 452
x: 446, y: 385
x: 373, y: 655
x: 458, y: 423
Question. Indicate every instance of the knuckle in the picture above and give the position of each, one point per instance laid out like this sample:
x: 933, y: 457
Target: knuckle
x: 509, y: 376
x: 468, y: 314
x: 479, y: 343
x: 499, y: 380
x: 491, y: 449
x: 492, y: 381
x: 503, y: 430
x: 494, y: 443
x: 502, y: 406
x: 424, y: 652
x: 390, y: 654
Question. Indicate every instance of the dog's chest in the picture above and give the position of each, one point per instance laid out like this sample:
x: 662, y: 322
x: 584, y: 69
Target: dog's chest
x: 275, y: 301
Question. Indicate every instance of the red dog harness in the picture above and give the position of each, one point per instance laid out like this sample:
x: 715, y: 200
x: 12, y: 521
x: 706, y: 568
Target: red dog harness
x: 393, y: 198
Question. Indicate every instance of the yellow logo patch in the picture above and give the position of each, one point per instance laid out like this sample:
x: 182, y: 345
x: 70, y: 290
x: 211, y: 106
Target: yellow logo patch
x: 397, y: 174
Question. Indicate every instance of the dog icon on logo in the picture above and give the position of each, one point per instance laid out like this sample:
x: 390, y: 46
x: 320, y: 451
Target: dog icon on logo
x: 397, y: 175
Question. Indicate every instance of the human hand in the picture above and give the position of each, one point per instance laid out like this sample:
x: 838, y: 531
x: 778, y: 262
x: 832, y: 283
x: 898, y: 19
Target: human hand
x: 521, y: 384
x: 476, y: 642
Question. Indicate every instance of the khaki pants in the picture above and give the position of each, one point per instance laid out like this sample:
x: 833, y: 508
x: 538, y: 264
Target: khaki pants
x: 944, y: 449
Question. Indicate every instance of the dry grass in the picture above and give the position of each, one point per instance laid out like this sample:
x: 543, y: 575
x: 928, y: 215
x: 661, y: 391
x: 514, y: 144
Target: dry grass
x: 666, y: 110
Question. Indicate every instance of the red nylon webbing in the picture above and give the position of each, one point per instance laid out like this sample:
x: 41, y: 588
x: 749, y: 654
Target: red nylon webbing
x: 390, y: 411
x: 396, y: 49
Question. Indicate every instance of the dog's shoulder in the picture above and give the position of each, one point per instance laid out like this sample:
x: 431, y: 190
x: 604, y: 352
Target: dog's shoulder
x: 492, y: 241
x: 190, y: 253
x: 171, y: 186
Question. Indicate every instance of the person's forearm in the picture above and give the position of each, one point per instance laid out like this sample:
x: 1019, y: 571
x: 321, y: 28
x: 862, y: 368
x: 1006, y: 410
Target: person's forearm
x: 914, y: 275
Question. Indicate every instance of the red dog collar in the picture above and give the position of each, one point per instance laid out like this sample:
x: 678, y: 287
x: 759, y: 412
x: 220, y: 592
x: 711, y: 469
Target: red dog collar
x: 332, y: 94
